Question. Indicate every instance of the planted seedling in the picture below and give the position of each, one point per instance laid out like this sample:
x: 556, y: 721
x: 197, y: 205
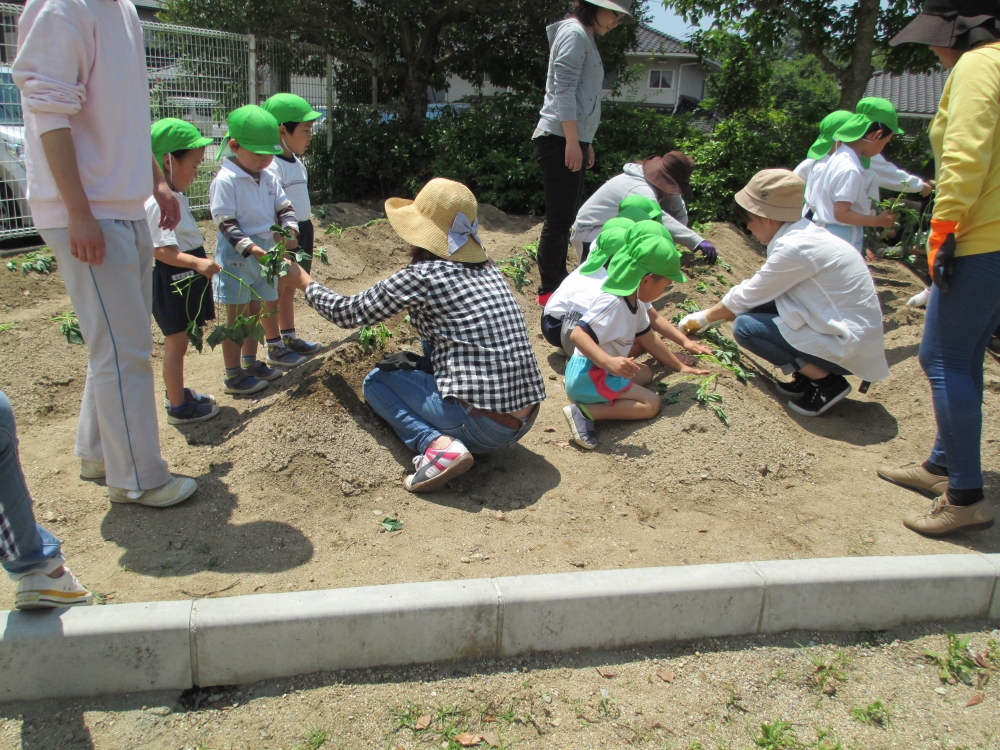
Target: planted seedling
x: 38, y: 262
x: 374, y: 337
x: 333, y: 229
x: 711, y: 399
x: 531, y: 250
x: 665, y: 396
x: 873, y: 715
x: 956, y: 663
x: 516, y: 269
x: 69, y: 327
x: 4, y: 327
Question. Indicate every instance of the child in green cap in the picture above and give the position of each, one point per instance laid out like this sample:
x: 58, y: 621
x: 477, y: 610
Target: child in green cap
x: 246, y: 200
x: 179, y: 148
x: 295, y: 118
x: 837, y: 191
x: 824, y: 145
x: 602, y: 379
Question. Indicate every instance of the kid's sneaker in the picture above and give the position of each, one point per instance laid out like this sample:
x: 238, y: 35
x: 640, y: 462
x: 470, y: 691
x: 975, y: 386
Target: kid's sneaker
x: 581, y: 426
x: 190, y: 395
x: 261, y: 371
x: 301, y: 346
x: 38, y: 591
x: 91, y: 471
x: 437, y: 467
x: 798, y: 388
x: 243, y: 384
x: 821, y: 398
x: 191, y: 413
x: 279, y: 355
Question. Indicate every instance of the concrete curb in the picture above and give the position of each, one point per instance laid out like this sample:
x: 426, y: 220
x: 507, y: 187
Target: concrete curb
x: 176, y: 645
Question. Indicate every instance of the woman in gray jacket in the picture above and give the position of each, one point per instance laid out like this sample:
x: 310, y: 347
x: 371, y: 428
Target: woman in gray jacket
x: 567, y: 124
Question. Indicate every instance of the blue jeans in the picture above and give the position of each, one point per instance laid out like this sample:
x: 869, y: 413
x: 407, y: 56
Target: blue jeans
x: 24, y: 545
x: 757, y: 332
x: 410, y: 402
x: 957, y: 329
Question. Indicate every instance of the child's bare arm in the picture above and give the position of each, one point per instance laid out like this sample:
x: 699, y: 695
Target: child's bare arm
x: 172, y: 256
x: 623, y: 367
x: 652, y: 343
x: 666, y: 329
x: 844, y: 215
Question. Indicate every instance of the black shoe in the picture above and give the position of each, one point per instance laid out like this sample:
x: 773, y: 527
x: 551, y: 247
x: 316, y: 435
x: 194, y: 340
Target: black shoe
x: 820, y: 398
x: 798, y: 388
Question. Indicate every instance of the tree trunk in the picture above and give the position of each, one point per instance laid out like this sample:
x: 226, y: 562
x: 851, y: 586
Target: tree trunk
x: 854, y: 79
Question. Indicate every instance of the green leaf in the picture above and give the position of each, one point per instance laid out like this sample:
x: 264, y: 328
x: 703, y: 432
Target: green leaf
x: 324, y: 258
x: 10, y: 266
x: 195, y: 336
x: 391, y: 524
x: 219, y: 334
x: 257, y: 334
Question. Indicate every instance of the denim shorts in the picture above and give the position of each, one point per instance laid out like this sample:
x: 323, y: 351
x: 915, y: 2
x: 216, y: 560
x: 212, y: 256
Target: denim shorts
x: 228, y: 290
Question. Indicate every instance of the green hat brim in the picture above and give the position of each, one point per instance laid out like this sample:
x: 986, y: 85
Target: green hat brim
x: 628, y: 268
x: 262, y: 150
x: 601, y: 252
x: 626, y: 281
x: 855, y: 129
x: 821, y: 147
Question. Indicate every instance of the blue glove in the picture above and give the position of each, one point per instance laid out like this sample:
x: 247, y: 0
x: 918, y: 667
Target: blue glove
x: 708, y: 249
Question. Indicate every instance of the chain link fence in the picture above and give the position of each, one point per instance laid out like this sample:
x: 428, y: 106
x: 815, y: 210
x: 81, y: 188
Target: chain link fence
x: 197, y: 75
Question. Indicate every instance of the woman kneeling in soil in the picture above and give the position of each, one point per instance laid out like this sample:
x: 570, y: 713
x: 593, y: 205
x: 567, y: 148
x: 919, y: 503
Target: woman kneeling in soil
x: 811, y: 309
x: 478, y: 387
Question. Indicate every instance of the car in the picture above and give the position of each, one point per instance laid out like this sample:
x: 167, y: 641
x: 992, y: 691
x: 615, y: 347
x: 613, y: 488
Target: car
x: 15, y: 216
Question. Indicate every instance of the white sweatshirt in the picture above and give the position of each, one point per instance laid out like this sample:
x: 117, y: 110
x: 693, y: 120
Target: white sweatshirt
x: 81, y: 65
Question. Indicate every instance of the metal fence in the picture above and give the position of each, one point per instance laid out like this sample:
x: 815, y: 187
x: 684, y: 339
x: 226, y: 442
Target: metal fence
x: 197, y: 75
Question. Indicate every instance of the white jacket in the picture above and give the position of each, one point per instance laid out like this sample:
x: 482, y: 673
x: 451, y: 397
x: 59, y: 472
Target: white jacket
x: 81, y: 65
x: 826, y: 299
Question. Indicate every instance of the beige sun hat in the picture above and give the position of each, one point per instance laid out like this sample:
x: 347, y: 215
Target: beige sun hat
x: 442, y: 219
x: 774, y: 194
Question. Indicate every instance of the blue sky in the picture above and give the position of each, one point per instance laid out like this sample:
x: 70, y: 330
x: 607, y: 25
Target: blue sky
x: 668, y: 22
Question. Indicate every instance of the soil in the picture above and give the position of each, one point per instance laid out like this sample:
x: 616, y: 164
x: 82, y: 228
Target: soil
x: 849, y: 691
x: 293, y: 483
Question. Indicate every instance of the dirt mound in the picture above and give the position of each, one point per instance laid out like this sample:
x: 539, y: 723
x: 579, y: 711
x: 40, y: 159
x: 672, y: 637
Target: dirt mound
x: 492, y: 219
x: 347, y: 214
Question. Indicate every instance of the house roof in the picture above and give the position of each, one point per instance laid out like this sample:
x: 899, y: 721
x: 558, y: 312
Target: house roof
x: 653, y: 42
x: 912, y: 94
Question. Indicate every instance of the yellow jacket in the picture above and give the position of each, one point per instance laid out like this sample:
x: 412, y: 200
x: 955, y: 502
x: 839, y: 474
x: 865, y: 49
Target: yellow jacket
x: 966, y: 147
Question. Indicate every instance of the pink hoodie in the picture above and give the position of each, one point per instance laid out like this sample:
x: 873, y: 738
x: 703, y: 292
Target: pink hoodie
x: 81, y: 65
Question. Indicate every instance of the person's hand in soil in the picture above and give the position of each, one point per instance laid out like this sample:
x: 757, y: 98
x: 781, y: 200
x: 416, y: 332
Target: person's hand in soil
x: 298, y: 277
x: 694, y: 348
x: 688, y: 370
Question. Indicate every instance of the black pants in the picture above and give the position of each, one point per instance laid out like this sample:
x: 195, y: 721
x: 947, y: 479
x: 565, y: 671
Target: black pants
x: 563, y: 195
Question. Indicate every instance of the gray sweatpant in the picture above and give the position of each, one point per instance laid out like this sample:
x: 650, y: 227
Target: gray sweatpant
x: 113, y: 302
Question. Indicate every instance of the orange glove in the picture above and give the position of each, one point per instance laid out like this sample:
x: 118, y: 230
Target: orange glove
x: 941, y: 247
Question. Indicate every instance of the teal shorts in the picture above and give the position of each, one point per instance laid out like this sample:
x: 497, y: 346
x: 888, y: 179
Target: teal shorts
x: 587, y: 384
x: 228, y: 290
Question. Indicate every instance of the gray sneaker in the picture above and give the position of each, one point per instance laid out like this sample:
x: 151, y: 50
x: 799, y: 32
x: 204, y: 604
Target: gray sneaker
x: 581, y: 427
x: 261, y: 371
x: 279, y: 355
x: 243, y: 384
x: 301, y: 346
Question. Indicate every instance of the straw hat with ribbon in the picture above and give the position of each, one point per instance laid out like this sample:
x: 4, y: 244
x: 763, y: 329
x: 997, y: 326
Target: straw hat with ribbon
x: 442, y: 219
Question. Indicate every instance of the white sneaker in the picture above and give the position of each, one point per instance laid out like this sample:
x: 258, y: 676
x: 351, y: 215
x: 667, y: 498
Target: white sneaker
x: 435, y: 468
x: 38, y: 591
x: 177, y: 490
x: 919, y: 300
x: 90, y: 470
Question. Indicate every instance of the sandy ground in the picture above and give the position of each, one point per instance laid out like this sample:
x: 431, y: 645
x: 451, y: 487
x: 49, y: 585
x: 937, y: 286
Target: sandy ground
x: 851, y: 691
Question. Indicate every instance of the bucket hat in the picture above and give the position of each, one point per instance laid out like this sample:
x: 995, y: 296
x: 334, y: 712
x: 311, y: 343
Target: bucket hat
x: 774, y: 194
x: 442, y: 219
x: 942, y: 22
x: 620, y: 6
x: 640, y: 208
x: 830, y: 125
x: 644, y: 254
x: 290, y: 108
x: 608, y: 242
x: 170, y: 134
x: 255, y: 129
x: 671, y: 173
x: 870, y: 110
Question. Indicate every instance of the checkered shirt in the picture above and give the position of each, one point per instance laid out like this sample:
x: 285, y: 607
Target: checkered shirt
x: 8, y: 544
x: 482, y: 353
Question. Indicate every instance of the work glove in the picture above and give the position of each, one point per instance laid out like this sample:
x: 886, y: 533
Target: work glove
x: 697, y: 322
x: 941, y: 248
x: 709, y: 251
x: 405, y: 361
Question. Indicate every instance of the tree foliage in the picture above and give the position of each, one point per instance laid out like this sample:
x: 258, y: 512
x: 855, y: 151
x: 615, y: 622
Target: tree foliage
x: 411, y: 45
x: 844, y: 37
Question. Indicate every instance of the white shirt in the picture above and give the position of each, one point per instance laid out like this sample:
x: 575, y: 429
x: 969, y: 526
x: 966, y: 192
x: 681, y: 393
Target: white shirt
x: 837, y: 179
x: 187, y: 235
x: 603, y: 205
x: 804, y: 169
x: 882, y: 173
x: 826, y: 299
x: 235, y: 194
x: 615, y: 323
x: 577, y: 293
x: 294, y: 179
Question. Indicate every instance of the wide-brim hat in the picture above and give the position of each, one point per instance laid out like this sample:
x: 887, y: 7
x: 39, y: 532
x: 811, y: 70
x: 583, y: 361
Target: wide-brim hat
x: 640, y: 208
x: 941, y: 21
x: 671, y: 173
x: 643, y: 255
x: 830, y: 125
x: 442, y: 219
x: 255, y: 129
x: 170, y: 134
x: 621, y: 6
x: 774, y: 194
x: 608, y: 243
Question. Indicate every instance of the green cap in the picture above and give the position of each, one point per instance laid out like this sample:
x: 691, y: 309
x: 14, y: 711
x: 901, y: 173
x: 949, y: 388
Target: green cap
x: 870, y: 110
x: 830, y: 125
x: 290, y: 108
x: 608, y: 242
x: 640, y: 208
x: 643, y: 255
x: 171, y: 134
x: 255, y: 129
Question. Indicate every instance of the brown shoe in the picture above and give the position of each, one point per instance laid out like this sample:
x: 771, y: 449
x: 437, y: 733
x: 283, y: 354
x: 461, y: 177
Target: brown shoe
x: 944, y: 518
x: 914, y: 476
